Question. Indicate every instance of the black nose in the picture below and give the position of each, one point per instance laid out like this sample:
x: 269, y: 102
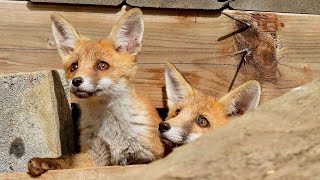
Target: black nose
x: 77, y: 81
x: 163, y: 127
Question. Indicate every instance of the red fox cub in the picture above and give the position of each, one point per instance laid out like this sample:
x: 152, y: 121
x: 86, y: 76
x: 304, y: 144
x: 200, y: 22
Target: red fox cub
x: 192, y: 113
x: 117, y: 125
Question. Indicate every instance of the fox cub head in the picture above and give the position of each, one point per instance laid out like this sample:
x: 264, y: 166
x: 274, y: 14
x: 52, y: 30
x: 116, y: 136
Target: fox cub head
x: 192, y: 113
x: 99, y: 67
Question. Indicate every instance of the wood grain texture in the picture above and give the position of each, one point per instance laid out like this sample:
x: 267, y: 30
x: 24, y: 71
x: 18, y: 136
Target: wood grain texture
x: 188, y: 39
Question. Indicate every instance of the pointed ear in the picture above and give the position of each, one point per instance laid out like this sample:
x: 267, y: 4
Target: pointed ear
x: 177, y: 87
x: 65, y: 35
x: 127, y: 34
x: 242, y: 99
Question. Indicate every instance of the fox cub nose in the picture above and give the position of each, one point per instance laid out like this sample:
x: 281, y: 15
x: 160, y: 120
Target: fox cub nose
x: 77, y: 81
x: 163, y: 127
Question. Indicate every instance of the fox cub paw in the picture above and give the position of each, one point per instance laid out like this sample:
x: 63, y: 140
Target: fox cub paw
x: 38, y: 166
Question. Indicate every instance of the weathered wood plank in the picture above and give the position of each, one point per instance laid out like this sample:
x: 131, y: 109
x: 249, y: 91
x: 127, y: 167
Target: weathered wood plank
x: 186, y: 38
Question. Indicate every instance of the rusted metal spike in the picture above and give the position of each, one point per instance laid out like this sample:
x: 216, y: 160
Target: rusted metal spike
x: 241, y: 21
x: 244, y: 53
x: 247, y: 51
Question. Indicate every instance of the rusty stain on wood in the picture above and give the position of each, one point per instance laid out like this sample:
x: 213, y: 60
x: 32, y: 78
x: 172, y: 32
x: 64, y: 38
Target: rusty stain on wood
x: 187, y: 17
x: 262, y: 40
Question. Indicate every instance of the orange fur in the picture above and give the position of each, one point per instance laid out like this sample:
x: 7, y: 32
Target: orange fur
x: 198, y: 104
x: 89, y: 52
x: 156, y: 145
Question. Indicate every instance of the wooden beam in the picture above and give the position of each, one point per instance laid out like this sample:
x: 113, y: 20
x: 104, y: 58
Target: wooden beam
x: 190, y: 39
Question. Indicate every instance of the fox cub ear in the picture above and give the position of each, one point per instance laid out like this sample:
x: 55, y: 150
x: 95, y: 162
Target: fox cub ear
x: 65, y: 35
x: 127, y: 34
x: 245, y: 97
x: 177, y: 87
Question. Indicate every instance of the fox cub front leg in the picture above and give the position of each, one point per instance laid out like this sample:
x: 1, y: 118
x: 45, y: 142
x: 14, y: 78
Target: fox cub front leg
x: 37, y: 166
x: 97, y: 155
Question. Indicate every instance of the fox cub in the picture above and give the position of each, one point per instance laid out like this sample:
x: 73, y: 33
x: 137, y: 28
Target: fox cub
x: 117, y: 125
x: 192, y: 113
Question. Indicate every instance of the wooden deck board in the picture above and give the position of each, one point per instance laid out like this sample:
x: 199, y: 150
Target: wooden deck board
x: 186, y: 38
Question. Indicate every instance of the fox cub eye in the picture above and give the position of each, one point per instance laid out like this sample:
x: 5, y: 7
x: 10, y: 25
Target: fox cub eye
x: 202, y: 121
x: 103, y: 65
x: 73, y: 67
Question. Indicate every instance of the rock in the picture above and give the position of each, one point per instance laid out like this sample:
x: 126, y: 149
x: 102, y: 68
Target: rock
x: 281, y: 140
x: 35, y: 118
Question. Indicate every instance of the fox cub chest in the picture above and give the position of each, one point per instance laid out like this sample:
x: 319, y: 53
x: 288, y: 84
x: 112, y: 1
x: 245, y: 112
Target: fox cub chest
x: 114, y: 137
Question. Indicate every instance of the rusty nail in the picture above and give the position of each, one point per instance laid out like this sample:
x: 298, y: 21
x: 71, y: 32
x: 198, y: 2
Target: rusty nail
x: 241, y: 21
x: 247, y: 51
x: 244, y: 53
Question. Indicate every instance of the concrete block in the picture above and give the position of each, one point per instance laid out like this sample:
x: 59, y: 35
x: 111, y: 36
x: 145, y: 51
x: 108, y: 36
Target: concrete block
x: 93, y: 2
x: 35, y: 118
x: 178, y: 4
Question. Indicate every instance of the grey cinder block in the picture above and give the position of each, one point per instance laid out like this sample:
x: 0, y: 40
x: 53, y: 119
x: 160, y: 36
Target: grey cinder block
x: 35, y: 118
